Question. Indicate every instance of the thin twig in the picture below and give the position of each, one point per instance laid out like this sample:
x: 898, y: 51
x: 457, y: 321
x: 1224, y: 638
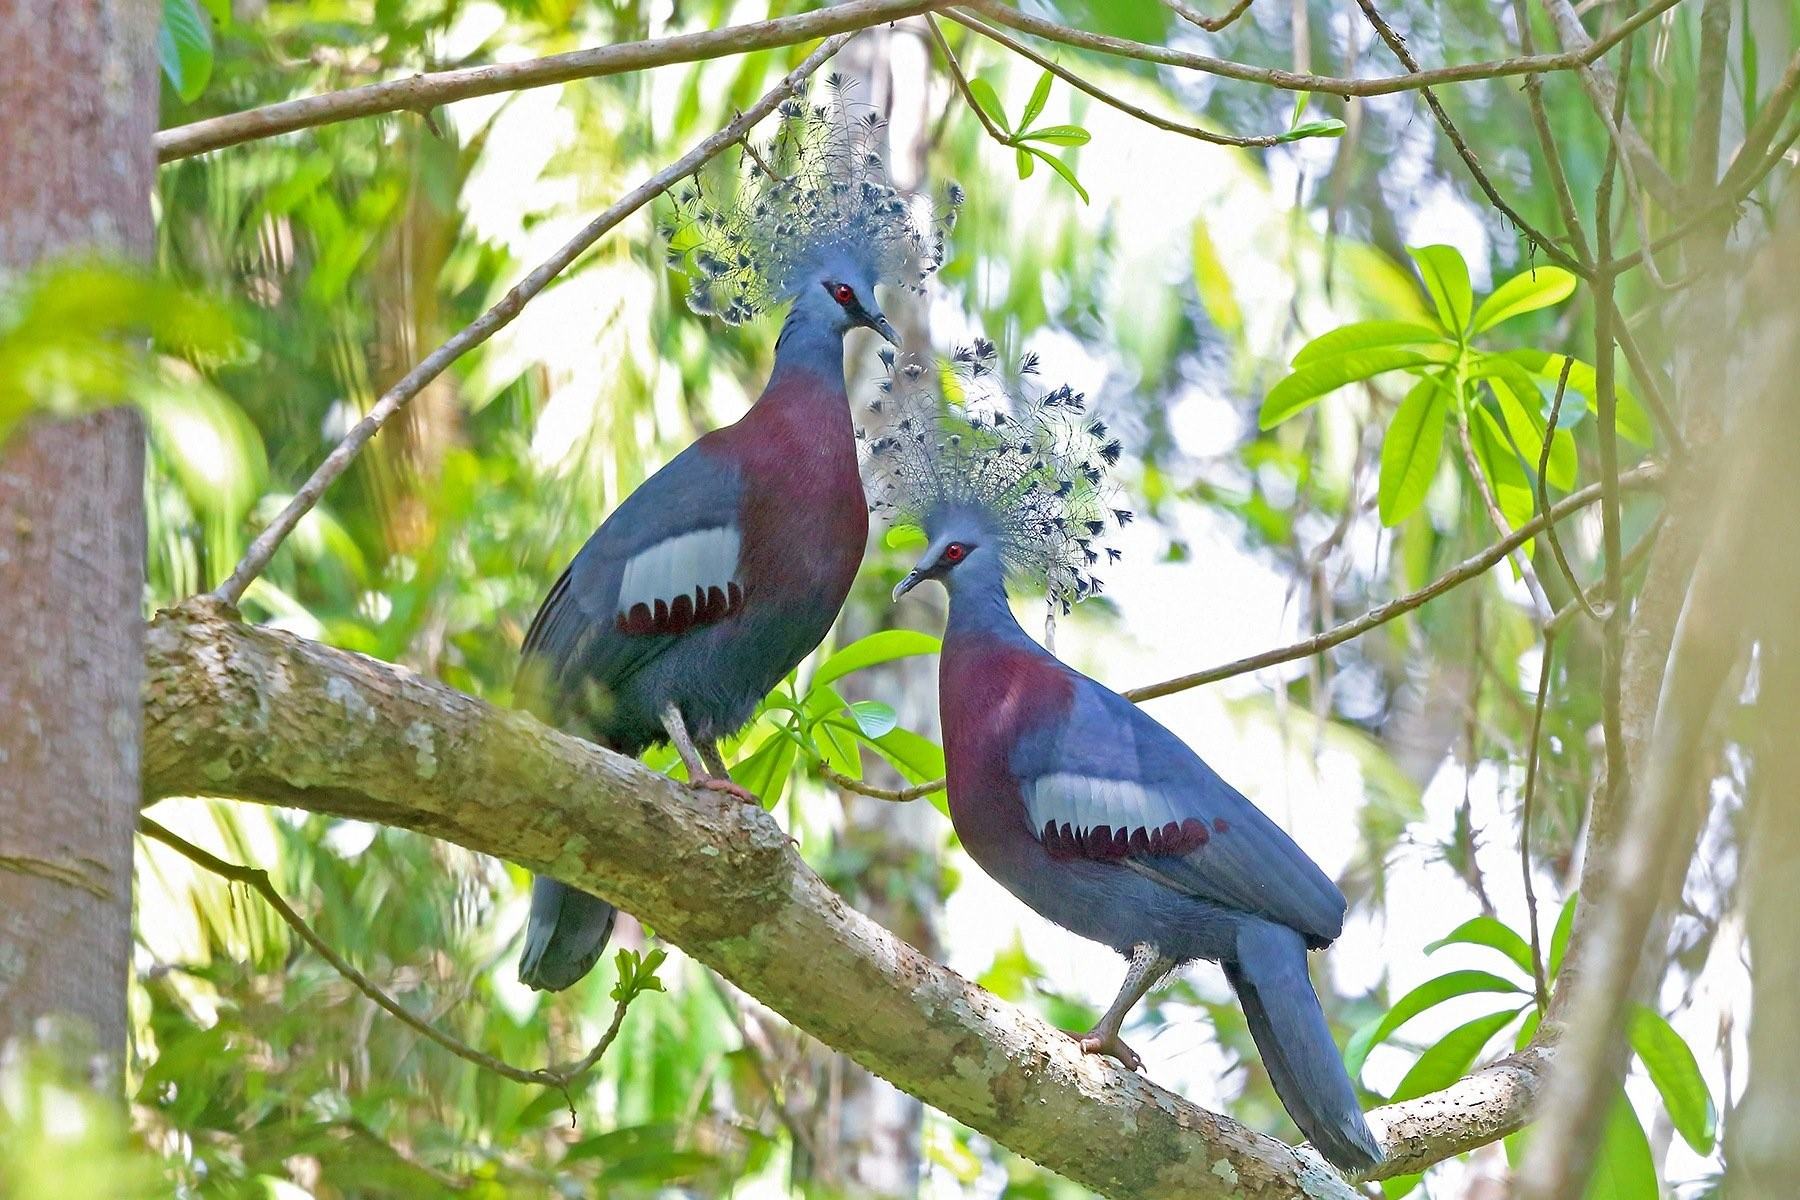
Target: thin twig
x: 1491, y: 504
x: 257, y: 557
x: 1538, y: 238
x: 1540, y: 120
x: 421, y: 93
x: 1603, y: 92
x: 1539, y: 979
x: 962, y: 84
x: 896, y: 795
x: 1709, y: 96
x: 1543, y: 492
x: 1593, y: 595
x: 1194, y: 16
x: 1643, y: 476
x: 1293, y: 81
x: 1653, y: 393
x: 257, y: 880
x: 1762, y: 132
x: 1105, y: 97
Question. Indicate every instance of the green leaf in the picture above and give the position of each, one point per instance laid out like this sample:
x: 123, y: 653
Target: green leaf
x: 1427, y: 995
x: 989, y: 100
x: 885, y: 646
x: 765, y: 773
x: 1623, y: 1168
x: 1303, y: 388
x: 1449, y: 1059
x: 1559, y: 939
x: 1399, y: 1185
x: 1039, y: 96
x: 916, y: 758
x: 1528, y: 291
x: 1446, y: 278
x: 1330, y: 127
x: 1500, y: 462
x: 1022, y: 157
x: 1527, y: 425
x: 1213, y: 283
x: 1411, y: 449
x: 185, y: 47
x: 834, y: 740
x: 1063, y: 169
x: 873, y: 718
x: 1671, y: 1066
x: 905, y: 537
x: 1365, y: 335
x: 1486, y: 931
x: 1059, y: 135
x: 1632, y: 422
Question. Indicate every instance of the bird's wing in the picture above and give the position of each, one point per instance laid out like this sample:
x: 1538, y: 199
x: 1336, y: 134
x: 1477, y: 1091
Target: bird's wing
x: 665, y: 562
x: 1108, y: 782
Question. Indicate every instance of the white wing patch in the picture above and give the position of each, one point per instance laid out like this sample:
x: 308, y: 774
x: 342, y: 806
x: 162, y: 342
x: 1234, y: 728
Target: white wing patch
x: 681, y: 582
x: 1096, y: 817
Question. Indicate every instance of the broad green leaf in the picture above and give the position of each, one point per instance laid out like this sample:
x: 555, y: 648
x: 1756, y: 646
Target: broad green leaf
x: 1527, y: 427
x: 1039, y: 96
x: 1411, y: 449
x: 1330, y: 127
x: 1486, y: 931
x: 1623, y: 1168
x: 1670, y: 1063
x: 873, y: 718
x: 885, y: 646
x: 989, y: 100
x: 1303, y: 388
x: 1429, y: 994
x: 1022, y: 157
x: 1399, y: 1185
x: 1527, y: 1028
x: 765, y: 773
x: 1446, y: 278
x: 1449, y: 1059
x: 1059, y: 135
x: 1528, y: 291
x: 185, y: 47
x: 1068, y: 174
x: 1559, y: 939
x: 915, y: 757
x: 1213, y: 283
x: 1632, y: 421
x: 835, y: 740
x: 1365, y: 335
x: 1500, y: 463
x: 905, y: 537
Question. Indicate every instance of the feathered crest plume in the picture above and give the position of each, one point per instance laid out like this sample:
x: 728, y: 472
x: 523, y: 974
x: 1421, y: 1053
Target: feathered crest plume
x: 1031, y: 456
x: 818, y: 188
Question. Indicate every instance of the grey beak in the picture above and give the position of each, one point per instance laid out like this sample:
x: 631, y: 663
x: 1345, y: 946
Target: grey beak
x: 906, y: 585
x: 880, y: 325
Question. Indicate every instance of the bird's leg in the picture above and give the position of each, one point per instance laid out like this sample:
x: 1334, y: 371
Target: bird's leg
x: 1148, y: 966
x: 700, y: 773
x: 715, y: 762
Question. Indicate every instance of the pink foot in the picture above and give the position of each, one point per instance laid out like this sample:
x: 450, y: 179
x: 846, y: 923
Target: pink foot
x: 1094, y: 1042
x: 729, y: 788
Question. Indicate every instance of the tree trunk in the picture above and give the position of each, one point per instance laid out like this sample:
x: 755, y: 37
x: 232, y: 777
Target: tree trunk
x: 80, y: 97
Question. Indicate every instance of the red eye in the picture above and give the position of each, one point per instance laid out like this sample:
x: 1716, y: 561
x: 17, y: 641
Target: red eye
x: 844, y: 294
x: 954, y: 552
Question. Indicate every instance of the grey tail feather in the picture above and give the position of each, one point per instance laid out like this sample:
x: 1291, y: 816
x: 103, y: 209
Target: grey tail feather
x: 1290, y: 1032
x: 564, y: 937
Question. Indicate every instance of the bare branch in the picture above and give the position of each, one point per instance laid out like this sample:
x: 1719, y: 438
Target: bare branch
x: 1301, y: 82
x: 894, y: 795
x: 1539, y: 978
x: 1125, y: 106
x: 1538, y: 238
x: 1543, y: 499
x: 1194, y: 16
x: 1602, y: 91
x: 257, y: 557
x: 559, y: 1077
x: 421, y: 93
x: 1762, y: 133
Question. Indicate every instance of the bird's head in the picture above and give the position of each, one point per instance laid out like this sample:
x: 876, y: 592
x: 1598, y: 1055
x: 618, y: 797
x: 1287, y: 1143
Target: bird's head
x: 964, y: 541
x: 840, y: 296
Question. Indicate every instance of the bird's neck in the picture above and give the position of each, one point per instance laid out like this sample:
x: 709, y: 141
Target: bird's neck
x: 978, y: 606
x: 809, y: 346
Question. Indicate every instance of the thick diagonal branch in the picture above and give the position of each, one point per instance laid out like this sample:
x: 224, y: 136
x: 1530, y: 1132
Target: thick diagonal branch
x: 234, y: 710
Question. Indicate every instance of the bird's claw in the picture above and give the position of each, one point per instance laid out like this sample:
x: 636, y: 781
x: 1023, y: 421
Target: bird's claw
x: 729, y: 788
x: 1096, y: 1042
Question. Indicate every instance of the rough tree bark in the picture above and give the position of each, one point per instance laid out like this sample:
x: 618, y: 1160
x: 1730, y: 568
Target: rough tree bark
x: 80, y: 98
